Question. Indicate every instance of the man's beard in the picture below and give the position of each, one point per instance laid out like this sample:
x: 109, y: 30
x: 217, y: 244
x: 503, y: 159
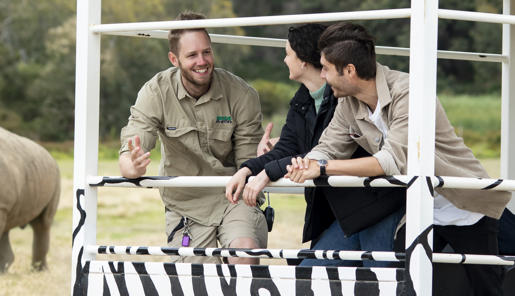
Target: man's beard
x: 186, y: 74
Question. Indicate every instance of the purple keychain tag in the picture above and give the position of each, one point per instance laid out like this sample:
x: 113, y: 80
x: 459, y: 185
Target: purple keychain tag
x: 185, y: 240
x: 185, y: 235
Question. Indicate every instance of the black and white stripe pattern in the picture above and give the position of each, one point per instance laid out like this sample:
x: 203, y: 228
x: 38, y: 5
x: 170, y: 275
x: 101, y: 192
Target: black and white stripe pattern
x: 333, y: 181
x: 256, y: 253
x: 139, y: 271
x: 304, y: 254
x: 155, y: 278
x: 78, y: 241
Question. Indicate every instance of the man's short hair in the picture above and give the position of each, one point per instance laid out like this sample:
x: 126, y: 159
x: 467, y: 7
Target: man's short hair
x: 175, y: 35
x: 304, y: 41
x: 346, y: 43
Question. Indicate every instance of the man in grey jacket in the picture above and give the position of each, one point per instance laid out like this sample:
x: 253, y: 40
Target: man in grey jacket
x: 373, y: 113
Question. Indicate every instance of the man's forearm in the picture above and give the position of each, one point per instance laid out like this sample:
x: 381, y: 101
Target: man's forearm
x: 363, y: 167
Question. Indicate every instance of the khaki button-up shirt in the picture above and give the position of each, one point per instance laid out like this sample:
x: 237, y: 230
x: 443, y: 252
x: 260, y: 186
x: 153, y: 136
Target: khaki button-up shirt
x: 351, y: 127
x: 209, y: 136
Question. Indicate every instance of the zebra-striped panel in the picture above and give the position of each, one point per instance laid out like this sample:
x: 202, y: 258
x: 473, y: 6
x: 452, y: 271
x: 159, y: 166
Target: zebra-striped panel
x: 255, y: 253
x: 507, y: 260
x: 156, y: 278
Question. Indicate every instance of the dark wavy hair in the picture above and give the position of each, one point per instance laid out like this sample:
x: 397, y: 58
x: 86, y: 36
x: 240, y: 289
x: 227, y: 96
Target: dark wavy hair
x: 347, y: 43
x: 304, y: 41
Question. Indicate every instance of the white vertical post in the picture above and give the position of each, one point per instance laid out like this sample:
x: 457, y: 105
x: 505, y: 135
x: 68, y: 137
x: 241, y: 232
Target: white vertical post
x: 421, y: 135
x: 508, y: 100
x: 87, y: 91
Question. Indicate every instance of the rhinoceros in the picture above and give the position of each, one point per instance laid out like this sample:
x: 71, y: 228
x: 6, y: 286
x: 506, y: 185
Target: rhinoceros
x: 30, y: 186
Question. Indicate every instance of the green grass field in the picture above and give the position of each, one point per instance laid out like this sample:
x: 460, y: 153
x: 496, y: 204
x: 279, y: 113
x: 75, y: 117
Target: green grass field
x: 477, y: 119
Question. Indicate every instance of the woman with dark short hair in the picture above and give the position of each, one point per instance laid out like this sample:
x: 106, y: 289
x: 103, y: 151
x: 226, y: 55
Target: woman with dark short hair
x: 336, y: 218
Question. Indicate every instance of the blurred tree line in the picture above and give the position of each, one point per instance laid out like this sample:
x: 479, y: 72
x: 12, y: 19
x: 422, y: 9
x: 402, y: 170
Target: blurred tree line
x: 37, y: 55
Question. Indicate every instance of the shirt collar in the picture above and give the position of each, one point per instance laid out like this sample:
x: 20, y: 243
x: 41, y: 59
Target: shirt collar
x: 214, y: 92
x: 383, y: 93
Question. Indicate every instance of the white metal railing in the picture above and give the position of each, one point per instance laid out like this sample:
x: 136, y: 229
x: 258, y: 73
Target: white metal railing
x: 255, y: 21
x: 276, y: 42
x: 476, y: 16
x: 335, y: 181
x: 297, y: 254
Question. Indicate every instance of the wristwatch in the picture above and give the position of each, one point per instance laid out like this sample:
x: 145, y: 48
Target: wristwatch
x: 322, y: 163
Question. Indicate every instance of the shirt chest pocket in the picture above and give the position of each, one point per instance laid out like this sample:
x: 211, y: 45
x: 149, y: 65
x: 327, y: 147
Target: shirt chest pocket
x: 220, y: 142
x: 357, y: 136
x: 370, y: 139
x: 181, y: 138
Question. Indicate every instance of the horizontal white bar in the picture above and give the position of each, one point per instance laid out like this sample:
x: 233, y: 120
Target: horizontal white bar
x: 255, y: 21
x: 297, y: 253
x: 335, y: 181
x: 476, y: 16
x: 447, y: 54
x: 275, y: 42
x: 216, y: 38
x: 182, y: 181
x: 244, y: 40
x: 473, y: 259
x: 244, y: 253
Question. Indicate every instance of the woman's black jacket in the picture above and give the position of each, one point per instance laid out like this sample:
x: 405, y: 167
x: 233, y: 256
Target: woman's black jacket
x: 354, y: 208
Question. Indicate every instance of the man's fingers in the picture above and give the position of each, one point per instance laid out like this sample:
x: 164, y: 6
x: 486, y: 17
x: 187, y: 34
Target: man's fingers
x: 289, y: 170
x: 269, y: 145
x: 300, y: 161
x: 129, y: 144
x: 249, y: 199
x: 137, y: 141
x: 145, y: 163
x: 228, y: 193
x: 306, y: 162
x: 141, y: 160
x: 294, y: 164
x: 236, y: 194
x: 245, y: 194
x: 268, y: 129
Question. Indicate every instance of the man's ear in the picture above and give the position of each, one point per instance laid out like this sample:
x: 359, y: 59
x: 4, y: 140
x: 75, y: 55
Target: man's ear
x: 173, y: 59
x: 350, y: 69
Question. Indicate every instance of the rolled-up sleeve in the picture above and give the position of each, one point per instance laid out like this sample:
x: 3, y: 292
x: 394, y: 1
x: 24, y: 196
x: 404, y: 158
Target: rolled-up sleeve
x: 393, y: 154
x: 248, y: 130
x: 144, y: 120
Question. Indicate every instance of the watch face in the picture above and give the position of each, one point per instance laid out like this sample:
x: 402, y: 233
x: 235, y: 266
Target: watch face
x: 322, y: 162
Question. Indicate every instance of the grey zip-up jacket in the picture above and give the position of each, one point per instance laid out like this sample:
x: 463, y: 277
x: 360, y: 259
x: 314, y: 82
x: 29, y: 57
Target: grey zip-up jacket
x: 351, y: 127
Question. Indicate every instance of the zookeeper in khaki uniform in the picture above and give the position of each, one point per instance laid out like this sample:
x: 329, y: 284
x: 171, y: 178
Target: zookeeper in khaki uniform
x: 209, y: 122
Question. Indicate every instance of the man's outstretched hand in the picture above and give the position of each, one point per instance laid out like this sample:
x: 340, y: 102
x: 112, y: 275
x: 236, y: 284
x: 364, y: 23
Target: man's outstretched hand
x: 266, y: 144
x: 133, y: 163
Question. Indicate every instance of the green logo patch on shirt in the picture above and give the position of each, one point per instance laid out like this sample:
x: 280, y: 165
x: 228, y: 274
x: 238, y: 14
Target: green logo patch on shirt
x: 223, y: 119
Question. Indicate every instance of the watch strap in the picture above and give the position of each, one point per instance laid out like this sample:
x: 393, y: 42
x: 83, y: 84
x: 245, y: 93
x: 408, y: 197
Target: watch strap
x: 322, y: 170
